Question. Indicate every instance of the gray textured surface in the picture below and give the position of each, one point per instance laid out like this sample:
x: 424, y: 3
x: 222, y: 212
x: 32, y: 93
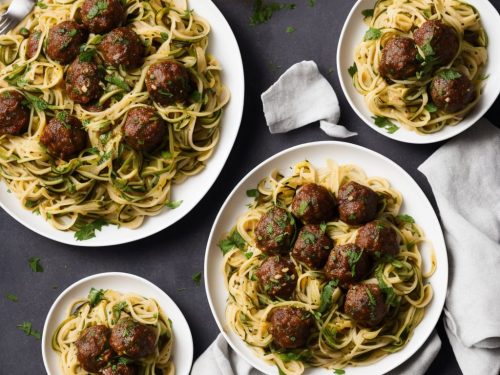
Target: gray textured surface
x: 169, y: 258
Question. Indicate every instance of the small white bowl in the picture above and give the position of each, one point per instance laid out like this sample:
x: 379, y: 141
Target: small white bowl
x: 125, y: 283
x: 352, y: 33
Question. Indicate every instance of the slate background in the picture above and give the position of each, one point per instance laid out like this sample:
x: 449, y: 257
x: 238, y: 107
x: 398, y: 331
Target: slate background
x: 171, y: 257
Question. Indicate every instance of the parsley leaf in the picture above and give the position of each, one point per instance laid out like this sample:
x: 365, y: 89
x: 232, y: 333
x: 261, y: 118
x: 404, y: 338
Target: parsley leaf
x: 95, y: 296
x: 35, y: 264
x: 339, y: 371
x: 372, y: 34
x: 27, y: 328
x: 384, y: 122
x: 118, y: 82
x: 449, y: 74
x: 11, y: 297
x: 41, y: 5
x: 367, y: 13
x: 290, y: 29
x: 353, y: 258
x: 87, y: 231
x: 431, y: 108
x: 196, y: 278
x: 263, y: 12
x: 352, y: 69
x: 312, y: 3
x: 173, y: 205
x: 232, y: 241
x: 253, y: 193
x: 40, y: 104
x: 405, y: 219
x: 326, y: 295
x: 117, y: 309
x: 87, y: 55
x: 164, y: 36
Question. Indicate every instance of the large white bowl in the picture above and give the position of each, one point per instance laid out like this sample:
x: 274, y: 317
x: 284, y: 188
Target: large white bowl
x: 224, y: 47
x: 415, y: 204
x: 182, y: 353
x: 352, y: 34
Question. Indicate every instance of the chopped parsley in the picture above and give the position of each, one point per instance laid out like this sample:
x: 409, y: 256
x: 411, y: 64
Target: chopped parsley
x: 164, y: 37
x: 372, y: 34
x: 449, y: 74
x: 95, y: 296
x: 428, y: 50
x: 174, y: 204
x: 232, y: 241
x: 253, y: 193
x: 308, y: 237
x: 367, y: 13
x: 40, y: 104
x: 87, y: 231
x: 405, y: 219
x: 117, y: 310
x: 303, y: 207
x: 11, y: 297
x: 352, y: 69
x: 431, y: 108
x: 196, y: 96
x: 338, y: 371
x: 96, y: 9
x: 384, y: 122
x: 27, y: 328
x: 353, y: 258
x: 196, y: 278
x: 24, y: 32
x: 390, y: 295
x: 41, y: 5
x: 326, y: 296
x: 87, y: 55
x: 118, y: 82
x: 35, y: 265
x: 371, y: 298
x: 290, y: 29
x: 263, y: 12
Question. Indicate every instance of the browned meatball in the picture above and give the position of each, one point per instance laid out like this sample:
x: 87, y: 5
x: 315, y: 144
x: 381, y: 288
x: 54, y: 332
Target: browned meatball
x: 277, y: 277
x: 347, y: 264
x: 365, y: 304
x: 357, y: 203
x: 82, y: 82
x: 451, y: 91
x: 275, y: 230
x: 313, y: 204
x: 312, y: 246
x: 64, y: 41
x: 133, y: 339
x: 33, y: 42
x: 144, y: 129
x: 438, y: 40
x: 378, y: 239
x: 290, y: 327
x: 118, y: 369
x: 92, y: 349
x: 101, y: 16
x: 399, y: 59
x: 122, y: 46
x: 64, y: 136
x: 14, y: 116
x: 168, y: 82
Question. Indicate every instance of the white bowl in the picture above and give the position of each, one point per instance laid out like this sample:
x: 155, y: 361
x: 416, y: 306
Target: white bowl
x: 415, y: 204
x: 182, y: 353
x: 352, y: 33
x: 224, y: 47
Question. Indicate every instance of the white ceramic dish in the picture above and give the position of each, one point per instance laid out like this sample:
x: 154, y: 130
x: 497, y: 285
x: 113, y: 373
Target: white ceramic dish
x: 352, y: 33
x: 415, y: 204
x: 123, y: 282
x: 223, y: 45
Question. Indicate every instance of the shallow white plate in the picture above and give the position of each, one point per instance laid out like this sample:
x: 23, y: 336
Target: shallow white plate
x: 224, y: 47
x: 125, y: 283
x: 374, y: 164
x: 352, y: 34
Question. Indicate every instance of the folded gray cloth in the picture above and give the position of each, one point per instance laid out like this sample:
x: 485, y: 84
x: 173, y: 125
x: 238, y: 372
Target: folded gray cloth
x: 220, y: 359
x: 465, y: 178
x: 300, y: 97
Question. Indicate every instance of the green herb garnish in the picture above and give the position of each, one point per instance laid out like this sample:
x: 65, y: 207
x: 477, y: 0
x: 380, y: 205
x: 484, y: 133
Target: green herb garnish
x: 384, y: 122
x: 263, y: 12
x: 367, y: 13
x: 11, y: 297
x: 27, y: 328
x: 35, y: 265
x: 372, y: 34
x: 290, y: 29
x: 431, y: 108
x: 87, y: 231
x: 232, y: 241
x: 117, y: 309
x: 173, y: 205
x: 118, y: 82
x: 449, y: 74
x: 253, y: 193
x: 196, y: 278
x: 87, y: 55
x: 95, y: 296
x: 405, y: 219
x: 352, y: 69
x: 326, y: 296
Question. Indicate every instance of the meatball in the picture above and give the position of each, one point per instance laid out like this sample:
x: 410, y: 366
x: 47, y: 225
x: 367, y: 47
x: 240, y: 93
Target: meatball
x: 122, y: 46
x: 144, y: 129
x: 275, y: 231
x: 102, y: 16
x: 312, y: 246
x: 133, y: 339
x: 313, y: 204
x: 92, y: 349
x: 64, y: 41
x: 399, y: 59
x: 168, y: 82
x: 14, y: 116
x: 378, y: 238
x: 277, y: 277
x: 64, y: 136
x: 357, y: 203
x: 347, y: 264
x: 32, y: 46
x: 290, y: 326
x: 365, y: 304
x: 82, y: 82
x: 438, y: 40
x: 118, y: 369
x: 451, y: 91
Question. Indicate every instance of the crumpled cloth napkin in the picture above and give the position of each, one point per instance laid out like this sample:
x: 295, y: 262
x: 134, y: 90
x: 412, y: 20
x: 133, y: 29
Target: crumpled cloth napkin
x: 220, y: 359
x: 302, y: 96
x: 465, y: 178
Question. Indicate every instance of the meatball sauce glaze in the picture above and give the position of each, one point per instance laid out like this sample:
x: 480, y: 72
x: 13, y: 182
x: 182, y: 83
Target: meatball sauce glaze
x: 14, y: 115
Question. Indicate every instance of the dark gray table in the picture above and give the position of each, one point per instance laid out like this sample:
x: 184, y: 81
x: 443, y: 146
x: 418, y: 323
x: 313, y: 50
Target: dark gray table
x: 171, y: 257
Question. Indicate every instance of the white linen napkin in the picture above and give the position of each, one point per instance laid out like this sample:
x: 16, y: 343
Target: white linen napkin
x: 465, y: 178
x: 300, y: 97
x: 220, y: 359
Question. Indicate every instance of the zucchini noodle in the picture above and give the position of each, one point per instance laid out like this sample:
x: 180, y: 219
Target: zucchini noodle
x: 337, y: 341
x: 82, y: 315
x: 406, y: 100
x: 109, y: 180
